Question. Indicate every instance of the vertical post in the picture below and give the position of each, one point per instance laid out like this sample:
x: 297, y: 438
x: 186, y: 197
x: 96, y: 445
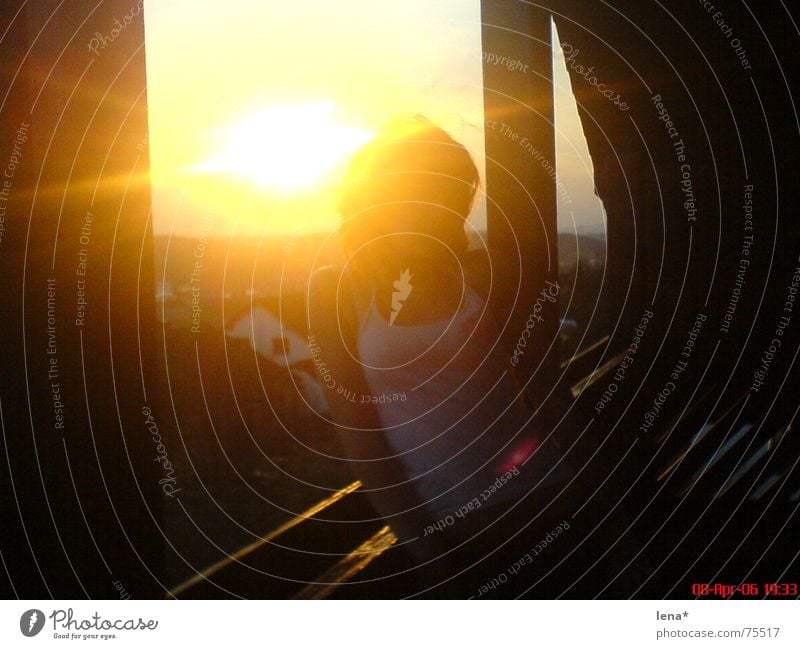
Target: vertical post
x: 82, y: 515
x: 520, y: 178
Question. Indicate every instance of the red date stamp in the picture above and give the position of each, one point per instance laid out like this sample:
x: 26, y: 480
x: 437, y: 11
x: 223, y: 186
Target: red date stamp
x: 784, y: 589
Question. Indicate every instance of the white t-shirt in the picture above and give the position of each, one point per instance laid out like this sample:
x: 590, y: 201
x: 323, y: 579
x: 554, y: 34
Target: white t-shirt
x: 452, y: 412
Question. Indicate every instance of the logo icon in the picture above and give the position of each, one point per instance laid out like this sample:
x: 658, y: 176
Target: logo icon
x: 31, y: 622
x: 400, y: 294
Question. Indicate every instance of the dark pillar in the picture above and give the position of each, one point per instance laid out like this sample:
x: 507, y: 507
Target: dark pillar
x: 80, y: 492
x: 520, y: 152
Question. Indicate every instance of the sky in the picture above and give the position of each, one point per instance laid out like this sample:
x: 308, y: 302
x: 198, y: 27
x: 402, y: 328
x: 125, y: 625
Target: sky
x: 255, y: 107
x: 579, y: 209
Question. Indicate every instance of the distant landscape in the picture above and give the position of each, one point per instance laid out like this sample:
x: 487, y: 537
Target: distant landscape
x: 228, y: 273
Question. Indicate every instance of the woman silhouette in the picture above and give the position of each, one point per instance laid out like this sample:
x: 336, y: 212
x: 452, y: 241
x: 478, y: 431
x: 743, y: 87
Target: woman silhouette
x: 429, y: 413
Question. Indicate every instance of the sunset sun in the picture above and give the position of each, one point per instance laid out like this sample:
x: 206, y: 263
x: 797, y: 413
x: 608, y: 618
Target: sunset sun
x: 285, y: 147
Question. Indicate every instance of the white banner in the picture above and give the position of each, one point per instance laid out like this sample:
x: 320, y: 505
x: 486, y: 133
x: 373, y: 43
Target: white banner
x: 389, y: 624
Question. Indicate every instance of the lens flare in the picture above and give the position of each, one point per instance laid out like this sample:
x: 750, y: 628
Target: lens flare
x: 286, y: 147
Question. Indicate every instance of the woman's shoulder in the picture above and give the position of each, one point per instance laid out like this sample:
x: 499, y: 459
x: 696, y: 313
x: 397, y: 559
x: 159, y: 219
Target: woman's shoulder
x: 336, y: 294
x: 322, y: 287
x: 336, y: 277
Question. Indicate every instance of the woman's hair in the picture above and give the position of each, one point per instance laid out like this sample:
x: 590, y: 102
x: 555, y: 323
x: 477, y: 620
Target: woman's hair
x: 413, y: 179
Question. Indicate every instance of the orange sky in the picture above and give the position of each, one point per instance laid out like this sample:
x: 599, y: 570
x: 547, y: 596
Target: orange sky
x: 254, y: 107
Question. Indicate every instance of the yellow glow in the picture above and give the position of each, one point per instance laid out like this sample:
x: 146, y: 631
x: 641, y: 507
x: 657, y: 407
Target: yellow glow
x: 254, y: 108
x: 287, y: 147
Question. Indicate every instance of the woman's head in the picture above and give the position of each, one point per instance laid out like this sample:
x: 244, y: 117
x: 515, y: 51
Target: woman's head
x: 408, y: 193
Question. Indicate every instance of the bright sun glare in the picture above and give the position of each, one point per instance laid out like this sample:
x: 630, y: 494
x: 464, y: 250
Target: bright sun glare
x: 286, y: 147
